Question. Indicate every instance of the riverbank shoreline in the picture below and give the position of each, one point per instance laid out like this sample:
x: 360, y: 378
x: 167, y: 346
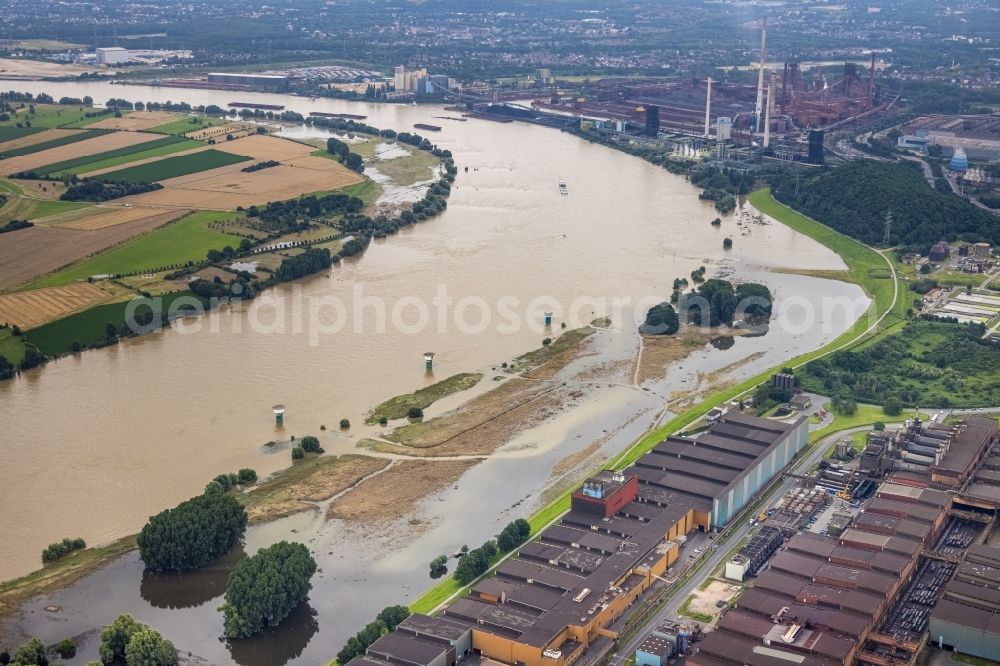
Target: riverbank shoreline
x: 858, y: 258
x: 305, y: 485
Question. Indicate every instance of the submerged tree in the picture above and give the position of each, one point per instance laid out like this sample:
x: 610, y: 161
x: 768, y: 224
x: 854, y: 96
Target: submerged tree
x: 264, y: 589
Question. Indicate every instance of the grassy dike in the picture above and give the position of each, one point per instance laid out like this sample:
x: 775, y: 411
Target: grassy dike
x: 864, y: 264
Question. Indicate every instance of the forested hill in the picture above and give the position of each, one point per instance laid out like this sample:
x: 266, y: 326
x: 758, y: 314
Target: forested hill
x: 854, y: 199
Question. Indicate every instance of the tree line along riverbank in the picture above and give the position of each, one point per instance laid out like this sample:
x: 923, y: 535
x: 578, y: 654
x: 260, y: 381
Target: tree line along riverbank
x: 192, y: 256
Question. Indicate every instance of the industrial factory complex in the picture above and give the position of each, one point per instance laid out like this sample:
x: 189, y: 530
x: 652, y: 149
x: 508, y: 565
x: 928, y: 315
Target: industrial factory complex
x: 785, y: 116
x: 911, y: 566
x: 565, y: 589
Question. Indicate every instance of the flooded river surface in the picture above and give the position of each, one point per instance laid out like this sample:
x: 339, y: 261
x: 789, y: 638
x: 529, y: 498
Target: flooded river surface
x: 95, y: 443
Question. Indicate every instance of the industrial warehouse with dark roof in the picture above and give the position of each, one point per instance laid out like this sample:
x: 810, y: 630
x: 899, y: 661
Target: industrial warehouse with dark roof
x: 824, y: 601
x: 565, y: 588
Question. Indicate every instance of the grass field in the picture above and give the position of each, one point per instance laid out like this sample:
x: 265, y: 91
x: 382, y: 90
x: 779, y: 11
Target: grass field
x: 9, y: 133
x: 958, y: 279
x: 188, y: 239
x: 368, y: 191
x: 88, y: 327
x: 55, y: 143
x: 55, y: 115
x: 182, y: 126
x: 397, y: 408
x: 11, y: 346
x: 23, y: 208
x: 418, y: 167
x: 124, y: 155
x: 865, y: 415
x: 172, y: 167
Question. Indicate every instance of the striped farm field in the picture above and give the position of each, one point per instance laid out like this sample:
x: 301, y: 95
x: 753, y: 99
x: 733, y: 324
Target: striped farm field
x: 102, y: 217
x: 62, y: 140
x: 11, y: 133
x: 123, y: 155
x: 93, y: 142
x: 29, y: 309
x: 172, y: 167
x: 16, y: 142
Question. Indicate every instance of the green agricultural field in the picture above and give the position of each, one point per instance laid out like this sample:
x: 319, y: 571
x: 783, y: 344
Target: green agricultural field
x: 188, y: 239
x: 368, y: 191
x: 89, y: 327
x: 7, y: 187
x: 9, y: 133
x: 172, y: 167
x: 55, y: 143
x: 24, y: 208
x: 11, y: 346
x: 125, y: 155
x: 47, y: 116
x: 44, y: 208
x: 188, y: 124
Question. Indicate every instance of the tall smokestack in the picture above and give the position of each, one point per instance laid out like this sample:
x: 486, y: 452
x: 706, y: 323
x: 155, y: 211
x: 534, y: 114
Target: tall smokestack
x: 767, y: 119
x: 760, y: 73
x: 708, y: 106
x: 784, y: 89
x: 871, y: 82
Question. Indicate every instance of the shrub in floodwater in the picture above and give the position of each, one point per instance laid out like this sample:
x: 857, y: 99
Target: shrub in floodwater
x: 345, y: 424
x: 66, y: 648
x: 310, y: 444
x: 383, y: 421
x: 415, y: 413
x: 246, y: 476
x: 62, y: 548
x: 298, y: 453
x: 546, y: 342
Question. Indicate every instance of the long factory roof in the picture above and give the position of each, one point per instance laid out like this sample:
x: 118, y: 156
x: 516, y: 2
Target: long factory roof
x: 973, y: 435
x: 710, y: 465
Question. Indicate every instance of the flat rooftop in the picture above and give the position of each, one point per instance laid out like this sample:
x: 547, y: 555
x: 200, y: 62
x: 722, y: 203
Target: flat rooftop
x: 708, y: 466
x: 972, y: 437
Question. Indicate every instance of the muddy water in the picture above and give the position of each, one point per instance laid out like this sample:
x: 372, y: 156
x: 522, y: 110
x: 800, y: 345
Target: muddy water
x: 94, y: 444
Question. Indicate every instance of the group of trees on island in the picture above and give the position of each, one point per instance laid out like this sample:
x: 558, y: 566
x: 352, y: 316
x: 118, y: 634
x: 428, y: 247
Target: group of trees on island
x: 132, y: 642
x: 713, y: 302
x: 193, y: 533
x: 921, y: 216
x: 264, y: 588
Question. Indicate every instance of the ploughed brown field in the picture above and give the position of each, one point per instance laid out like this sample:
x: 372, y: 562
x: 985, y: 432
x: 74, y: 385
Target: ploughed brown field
x: 29, y: 309
x: 139, y: 120
x: 37, y: 137
x: 72, y: 151
x: 31, y: 253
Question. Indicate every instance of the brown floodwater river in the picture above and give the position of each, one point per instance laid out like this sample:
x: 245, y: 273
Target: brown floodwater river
x: 93, y: 444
